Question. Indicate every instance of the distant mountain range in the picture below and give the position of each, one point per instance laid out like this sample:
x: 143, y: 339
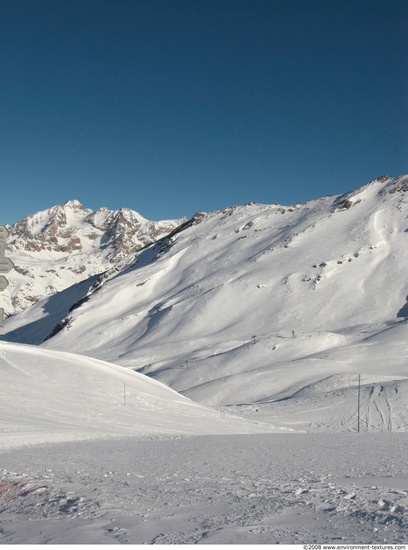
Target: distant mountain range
x: 259, y: 307
x: 66, y: 244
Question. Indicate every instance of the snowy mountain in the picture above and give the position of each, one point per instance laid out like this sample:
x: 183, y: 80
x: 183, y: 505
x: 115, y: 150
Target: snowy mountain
x: 288, y: 319
x: 66, y: 244
x: 261, y: 307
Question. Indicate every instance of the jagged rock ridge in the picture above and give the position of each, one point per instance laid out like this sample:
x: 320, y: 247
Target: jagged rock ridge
x: 63, y: 245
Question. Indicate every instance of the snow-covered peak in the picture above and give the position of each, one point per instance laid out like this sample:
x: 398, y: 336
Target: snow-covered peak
x: 35, y: 225
x: 395, y: 185
x: 55, y: 248
x: 103, y: 217
x: 74, y: 204
x: 366, y: 192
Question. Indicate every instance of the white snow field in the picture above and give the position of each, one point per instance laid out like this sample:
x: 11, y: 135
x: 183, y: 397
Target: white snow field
x: 244, y: 381
x: 245, y: 489
x: 93, y: 453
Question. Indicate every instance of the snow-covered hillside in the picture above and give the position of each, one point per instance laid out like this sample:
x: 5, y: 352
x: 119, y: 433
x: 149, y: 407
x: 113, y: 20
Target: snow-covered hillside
x: 49, y: 396
x: 252, y: 304
x: 66, y: 244
x: 289, y: 320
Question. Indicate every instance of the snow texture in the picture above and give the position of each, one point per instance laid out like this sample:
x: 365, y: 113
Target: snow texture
x: 246, y: 489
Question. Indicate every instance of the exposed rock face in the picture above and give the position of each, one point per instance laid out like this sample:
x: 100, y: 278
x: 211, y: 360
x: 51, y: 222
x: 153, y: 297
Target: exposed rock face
x: 59, y: 247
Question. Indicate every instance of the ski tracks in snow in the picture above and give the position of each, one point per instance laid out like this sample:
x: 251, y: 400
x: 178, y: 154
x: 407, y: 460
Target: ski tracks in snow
x: 376, y: 413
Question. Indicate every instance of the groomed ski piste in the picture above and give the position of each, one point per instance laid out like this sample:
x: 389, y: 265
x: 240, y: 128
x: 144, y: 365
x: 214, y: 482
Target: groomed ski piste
x: 251, y: 393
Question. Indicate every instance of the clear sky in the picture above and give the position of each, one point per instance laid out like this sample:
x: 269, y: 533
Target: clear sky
x: 173, y: 106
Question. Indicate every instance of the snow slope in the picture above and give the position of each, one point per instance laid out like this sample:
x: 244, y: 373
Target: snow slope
x: 92, y: 453
x: 254, y: 303
x: 57, y: 396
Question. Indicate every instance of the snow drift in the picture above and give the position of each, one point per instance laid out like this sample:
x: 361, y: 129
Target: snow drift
x: 57, y: 396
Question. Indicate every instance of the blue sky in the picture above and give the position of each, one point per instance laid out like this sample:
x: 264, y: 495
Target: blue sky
x: 173, y: 106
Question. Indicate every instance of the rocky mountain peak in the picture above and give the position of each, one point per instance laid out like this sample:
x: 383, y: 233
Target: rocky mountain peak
x: 74, y: 204
x: 58, y: 247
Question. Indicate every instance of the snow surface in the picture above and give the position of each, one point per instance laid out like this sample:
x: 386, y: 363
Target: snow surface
x: 57, y: 396
x: 93, y: 453
x: 252, y: 489
x: 249, y: 338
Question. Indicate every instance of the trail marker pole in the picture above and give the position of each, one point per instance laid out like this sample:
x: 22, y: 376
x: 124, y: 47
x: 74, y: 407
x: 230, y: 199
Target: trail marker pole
x: 358, y: 403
